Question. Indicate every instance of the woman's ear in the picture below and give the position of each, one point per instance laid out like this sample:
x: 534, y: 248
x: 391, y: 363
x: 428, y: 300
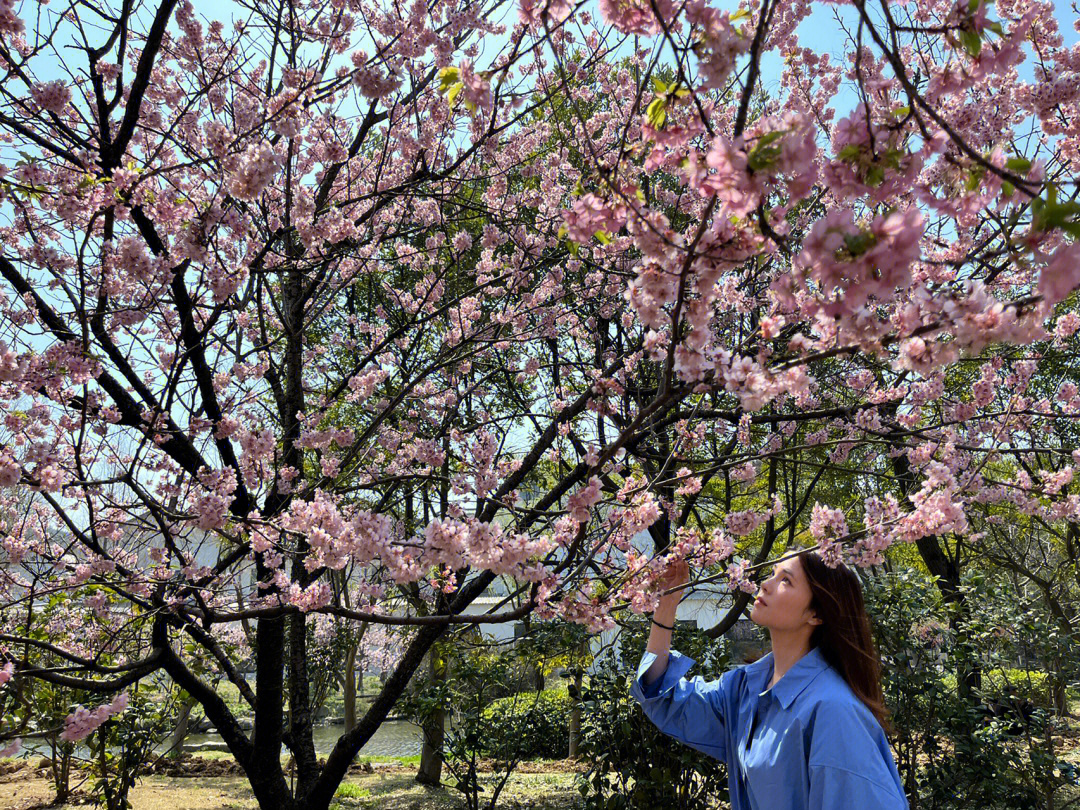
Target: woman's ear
x: 814, y: 619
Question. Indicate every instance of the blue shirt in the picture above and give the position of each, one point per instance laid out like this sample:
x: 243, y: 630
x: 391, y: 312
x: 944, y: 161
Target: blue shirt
x: 815, y: 745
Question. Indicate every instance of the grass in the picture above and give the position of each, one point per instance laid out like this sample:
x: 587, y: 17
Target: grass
x: 386, y: 789
x: 351, y: 790
x: 409, y: 760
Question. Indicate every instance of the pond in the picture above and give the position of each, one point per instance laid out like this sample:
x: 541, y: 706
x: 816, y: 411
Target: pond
x: 394, y: 738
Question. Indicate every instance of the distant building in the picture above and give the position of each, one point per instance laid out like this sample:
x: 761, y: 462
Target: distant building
x: 702, y: 609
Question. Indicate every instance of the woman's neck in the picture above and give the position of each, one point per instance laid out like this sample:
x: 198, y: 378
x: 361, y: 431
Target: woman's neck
x: 787, y: 649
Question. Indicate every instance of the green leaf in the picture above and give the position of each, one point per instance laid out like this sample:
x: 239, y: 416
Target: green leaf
x: 901, y: 112
x: 972, y: 42
x: 659, y: 86
x: 875, y: 176
x: 859, y: 243
x: 448, y: 77
x: 1018, y: 164
x: 454, y: 92
x: 849, y: 152
x: 770, y: 137
x: 602, y: 237
x: 656, y: 113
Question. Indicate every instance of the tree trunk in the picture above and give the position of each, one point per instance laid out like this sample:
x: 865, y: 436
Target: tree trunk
x: 575, y: 720
x: 945, y: 569
x: 1058, y: 695
x: 431, y: 752
x: 174, y: 746
x: 350, y: 688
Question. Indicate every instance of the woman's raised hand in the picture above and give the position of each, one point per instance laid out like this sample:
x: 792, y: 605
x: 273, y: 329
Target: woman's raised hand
x: 663, y: 618
x: 677, y: 574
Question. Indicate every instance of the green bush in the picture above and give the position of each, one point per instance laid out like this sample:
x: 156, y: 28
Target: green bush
x: 530, y: 724
x: 1032, y: 684
x: 634, y: 765
x: 951, y: 753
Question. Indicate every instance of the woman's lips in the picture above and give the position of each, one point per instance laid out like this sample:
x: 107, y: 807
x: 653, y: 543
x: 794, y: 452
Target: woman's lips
x: 761, y: 601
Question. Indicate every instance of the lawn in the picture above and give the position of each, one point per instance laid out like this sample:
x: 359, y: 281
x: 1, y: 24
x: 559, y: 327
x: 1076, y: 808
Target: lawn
x: 543, y: 785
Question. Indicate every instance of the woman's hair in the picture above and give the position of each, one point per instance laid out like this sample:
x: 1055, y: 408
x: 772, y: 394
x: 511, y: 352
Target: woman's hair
x: 844, y: 633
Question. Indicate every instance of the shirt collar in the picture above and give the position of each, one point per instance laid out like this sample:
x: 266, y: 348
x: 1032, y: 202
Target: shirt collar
x: 794, y: 681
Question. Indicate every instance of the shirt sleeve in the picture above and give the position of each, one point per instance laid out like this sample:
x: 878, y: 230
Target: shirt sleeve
x: 850, y: 762
x: 690, y: 710
x: 835, y: 788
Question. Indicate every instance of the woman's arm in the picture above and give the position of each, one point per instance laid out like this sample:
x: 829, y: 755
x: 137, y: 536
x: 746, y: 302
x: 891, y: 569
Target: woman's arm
x: 660, y: 637
x: 692, y: 710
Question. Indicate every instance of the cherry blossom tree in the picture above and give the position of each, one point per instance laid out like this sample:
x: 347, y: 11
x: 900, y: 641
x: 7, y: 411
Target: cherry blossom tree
x: 353, y: 309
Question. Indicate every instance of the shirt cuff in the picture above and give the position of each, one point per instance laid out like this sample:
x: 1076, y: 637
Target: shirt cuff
x: 678, y: 665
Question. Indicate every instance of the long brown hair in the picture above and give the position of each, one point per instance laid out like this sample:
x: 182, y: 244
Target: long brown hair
x: 844, y: 634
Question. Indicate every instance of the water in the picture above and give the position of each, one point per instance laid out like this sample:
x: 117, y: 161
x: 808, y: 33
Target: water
x: 394, y: 738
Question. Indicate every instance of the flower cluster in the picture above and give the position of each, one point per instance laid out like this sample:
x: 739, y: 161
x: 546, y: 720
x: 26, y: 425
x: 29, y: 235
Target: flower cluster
x: 583, y: 500
x: 743, y: 522
x: 9, y: 469
x: 850, y: 264
x: 937, y: 507
x: 83, y: 721
x: 1061, y: 275
x: 370, y: 80
x: 589, y: 215
x: 475, y: 89
x: 747, y: 168
x: 10, y: 23
x: 872, y: 159
x: 314, y: 596
x: 634, y: 16
x: 829, y: 527
x: 718, y: 43
x: 738, y: 577
x: 880, y: 516
x: 254, y: 171
x: 51, y: 96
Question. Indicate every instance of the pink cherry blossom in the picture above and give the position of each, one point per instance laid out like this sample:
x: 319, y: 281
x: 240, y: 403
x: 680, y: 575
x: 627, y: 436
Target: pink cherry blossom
x: 254, y: 171
x: 83, y: 721
x: 1061, y: 275
x: 52, y: 96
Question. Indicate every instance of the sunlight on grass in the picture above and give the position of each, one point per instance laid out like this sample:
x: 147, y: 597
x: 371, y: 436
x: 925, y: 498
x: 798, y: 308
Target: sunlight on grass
x: 347, y: 790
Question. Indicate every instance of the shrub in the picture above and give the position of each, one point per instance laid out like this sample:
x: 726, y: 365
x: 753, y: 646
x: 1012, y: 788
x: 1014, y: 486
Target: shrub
x: 634, y: 765
x: 1032, y: 684
x: 950, y: 751
x: 530, y: 724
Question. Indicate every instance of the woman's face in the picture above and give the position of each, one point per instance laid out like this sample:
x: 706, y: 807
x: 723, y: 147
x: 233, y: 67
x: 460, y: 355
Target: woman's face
x: 782, y: 601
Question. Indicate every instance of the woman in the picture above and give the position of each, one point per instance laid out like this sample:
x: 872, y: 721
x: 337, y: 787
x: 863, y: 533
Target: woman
x: 801, y: 728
